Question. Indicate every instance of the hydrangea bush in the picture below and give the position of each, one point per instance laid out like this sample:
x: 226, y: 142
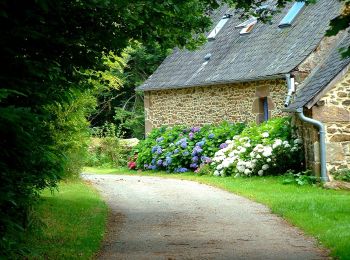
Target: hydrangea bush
x: 181, y: 149
x: 269, y: 148
x: 228, y: 149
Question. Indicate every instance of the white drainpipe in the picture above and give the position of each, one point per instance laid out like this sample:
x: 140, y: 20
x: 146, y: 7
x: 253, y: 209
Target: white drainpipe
x: 291, y: 88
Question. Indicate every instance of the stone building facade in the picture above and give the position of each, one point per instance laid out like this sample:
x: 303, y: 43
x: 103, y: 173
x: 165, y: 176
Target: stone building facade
x: 333, y: 109
x: 197, y: 106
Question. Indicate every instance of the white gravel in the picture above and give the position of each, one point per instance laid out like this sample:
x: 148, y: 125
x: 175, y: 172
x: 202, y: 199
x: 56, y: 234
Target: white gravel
x: 156, y: 218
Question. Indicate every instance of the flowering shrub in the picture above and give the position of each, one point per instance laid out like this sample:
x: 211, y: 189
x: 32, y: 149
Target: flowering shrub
x: 181, y: 149
x: 263, y: 149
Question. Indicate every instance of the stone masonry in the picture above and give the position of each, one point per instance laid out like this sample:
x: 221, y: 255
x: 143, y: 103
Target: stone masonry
x: 333, y: 109
x: 197, y: 106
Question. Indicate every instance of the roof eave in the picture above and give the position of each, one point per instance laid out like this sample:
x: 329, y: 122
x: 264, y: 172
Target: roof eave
x: 205, y: 84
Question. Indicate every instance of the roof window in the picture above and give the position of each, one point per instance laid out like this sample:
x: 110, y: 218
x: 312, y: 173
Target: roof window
x: 292, y: 14
x: 218, y: 27
x: 247, y: 26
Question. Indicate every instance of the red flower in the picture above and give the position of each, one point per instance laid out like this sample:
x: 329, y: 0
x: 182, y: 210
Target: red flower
x: 132, y: 165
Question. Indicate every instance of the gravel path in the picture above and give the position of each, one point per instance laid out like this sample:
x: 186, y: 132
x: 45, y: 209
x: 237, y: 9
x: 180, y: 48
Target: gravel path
x: 156, y: 218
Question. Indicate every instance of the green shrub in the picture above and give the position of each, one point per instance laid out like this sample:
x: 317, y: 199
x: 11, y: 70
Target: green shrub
x: 269, y: 148
x: 180, y: 148
x: 342, y: 175
x: 301, y: 178
x: 105, y: 149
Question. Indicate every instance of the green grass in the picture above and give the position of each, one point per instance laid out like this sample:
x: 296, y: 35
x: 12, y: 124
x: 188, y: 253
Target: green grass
x: 324, y: 214
x: 73, y: 223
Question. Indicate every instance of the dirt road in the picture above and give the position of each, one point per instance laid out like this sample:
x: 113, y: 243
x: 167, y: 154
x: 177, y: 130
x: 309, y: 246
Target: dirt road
x: 156, y: 218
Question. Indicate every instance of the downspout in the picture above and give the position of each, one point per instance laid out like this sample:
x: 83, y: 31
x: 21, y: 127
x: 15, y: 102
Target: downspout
x: 322, y: 132
x: 318, y: 124
x: 291, y: 89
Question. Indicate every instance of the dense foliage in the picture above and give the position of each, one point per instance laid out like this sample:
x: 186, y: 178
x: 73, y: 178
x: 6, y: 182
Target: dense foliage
x: 269, y: 148
x: 229, y: 149
x: 180, y: 148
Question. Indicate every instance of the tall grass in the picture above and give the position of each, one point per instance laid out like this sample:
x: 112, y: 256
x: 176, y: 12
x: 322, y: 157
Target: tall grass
x: 72, y: 226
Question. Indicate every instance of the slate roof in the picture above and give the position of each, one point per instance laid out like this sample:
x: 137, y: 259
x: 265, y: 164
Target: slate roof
x: 267, y: 52
x: 322, y: 75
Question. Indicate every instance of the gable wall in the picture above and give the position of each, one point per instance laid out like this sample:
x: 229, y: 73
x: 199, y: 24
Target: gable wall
x: 333, y: 109
x: 213, y: 104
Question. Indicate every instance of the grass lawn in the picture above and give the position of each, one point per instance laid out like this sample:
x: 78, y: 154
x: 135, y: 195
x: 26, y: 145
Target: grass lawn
x: 324, y: 214
x: 74, y: 221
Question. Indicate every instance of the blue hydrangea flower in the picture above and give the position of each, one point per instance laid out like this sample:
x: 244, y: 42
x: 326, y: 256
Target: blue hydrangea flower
x: 194, y: 165
x: 168, y: 160
x: 159, y: 162
x: 159, y: 139
x: 176, y: 151
x: 197, y: 150
x: 183, y: 145
x: 223, y: 145
x: 145, y: 166
x: 185, y: 153
x: 190, y: 135
x: 153, y: 161
x: 205, y: 159
x: 195, y: 129
x: 195, y: 159
x: 200, y: 144
x: 181, y: 169
x: 159, y: 150
x: 211, y: 136
x: 152, y: 167
x: 154, y: 148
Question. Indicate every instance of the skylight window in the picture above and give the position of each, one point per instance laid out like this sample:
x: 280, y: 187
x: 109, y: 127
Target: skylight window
x: 218, y: 27
x: 247, y: 26
x: 292, y: 14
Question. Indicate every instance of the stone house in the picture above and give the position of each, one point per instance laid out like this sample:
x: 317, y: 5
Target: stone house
x: 247, y: 69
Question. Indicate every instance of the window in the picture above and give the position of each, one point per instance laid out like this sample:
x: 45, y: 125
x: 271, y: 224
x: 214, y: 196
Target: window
x: 247, y: 26
x: 265, y: 108
x: 292, y: 14
x: 218, y: 27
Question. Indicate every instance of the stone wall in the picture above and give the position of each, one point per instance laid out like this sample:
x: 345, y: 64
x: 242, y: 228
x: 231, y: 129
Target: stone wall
x: 197, y: 106
x: 333, y: 109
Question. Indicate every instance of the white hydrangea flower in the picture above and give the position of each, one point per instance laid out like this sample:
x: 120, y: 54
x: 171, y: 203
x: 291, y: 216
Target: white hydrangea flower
x: 267, y: 151
x: 265, y: 134
x: 258, y: 156
x: 217, y: 173
x: 247, y: 171
x: 298, y: 141
x: 287, y: 145
x: 252, y: 154
x: 260, y: 173
x: 242, y: 150
x: 277, y: 143
x: 265, y: 167
x: 268, y: 159
x: 247, y: 145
